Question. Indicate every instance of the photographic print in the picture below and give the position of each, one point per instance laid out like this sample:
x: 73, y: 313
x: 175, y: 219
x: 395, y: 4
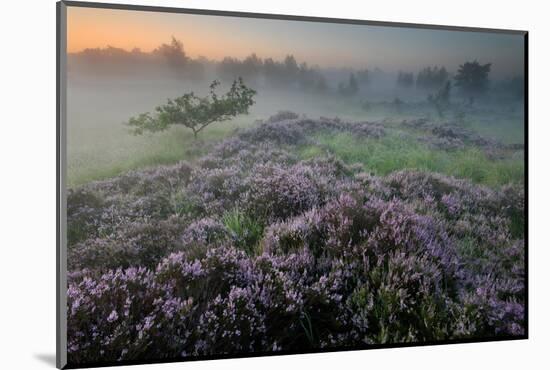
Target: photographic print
x: 235, y: 184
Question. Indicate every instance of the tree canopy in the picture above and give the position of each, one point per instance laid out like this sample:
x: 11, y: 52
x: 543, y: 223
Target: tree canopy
x: 432, y: 78
x: 195, y: 112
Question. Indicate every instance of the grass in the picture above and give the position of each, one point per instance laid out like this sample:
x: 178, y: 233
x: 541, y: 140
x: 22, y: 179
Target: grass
x: 101, y: 154
x: 99, y: 146
x: 395, y: 152
x: 247, y: 231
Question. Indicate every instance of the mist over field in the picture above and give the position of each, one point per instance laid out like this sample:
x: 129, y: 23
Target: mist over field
x: 108, y: 86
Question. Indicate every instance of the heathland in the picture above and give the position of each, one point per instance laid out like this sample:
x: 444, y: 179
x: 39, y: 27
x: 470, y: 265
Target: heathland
x: 345, y: 209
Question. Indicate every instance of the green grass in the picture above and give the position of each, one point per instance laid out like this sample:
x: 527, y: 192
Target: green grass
x: 246, y: 230
x: 99, y: 146
x: 100, y: 154
x: 395, y: 152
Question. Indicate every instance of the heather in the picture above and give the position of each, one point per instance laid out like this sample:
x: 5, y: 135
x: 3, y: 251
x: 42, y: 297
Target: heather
x: 296, y: 234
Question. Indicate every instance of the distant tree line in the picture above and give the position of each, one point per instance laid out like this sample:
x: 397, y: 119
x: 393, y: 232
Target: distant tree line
x: 285, y: 73
x: 429, y: 78
x: 118, y: 60
x: 432, y: 77
x: 471, y: 79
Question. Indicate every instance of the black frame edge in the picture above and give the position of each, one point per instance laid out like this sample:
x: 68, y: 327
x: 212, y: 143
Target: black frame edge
x: 526, y: 176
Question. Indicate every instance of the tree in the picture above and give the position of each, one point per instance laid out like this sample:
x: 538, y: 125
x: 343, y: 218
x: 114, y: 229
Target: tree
x: 472, y: 78
x: 291, y: 68
x: 432, y: 78
x: 252, y: 66
x: 196, y: 112
x: 173, y: 53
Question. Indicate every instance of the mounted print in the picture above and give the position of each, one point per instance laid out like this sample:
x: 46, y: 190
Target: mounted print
x: 237, y: 184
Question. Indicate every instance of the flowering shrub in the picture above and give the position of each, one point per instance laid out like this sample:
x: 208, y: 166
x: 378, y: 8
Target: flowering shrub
x: 281, y: 129
x: 252, y: 249
x: 204, y: 231
x: 281, y: 116
x: 215, y: 190
x: 137, y: 244
x: 276, y: 192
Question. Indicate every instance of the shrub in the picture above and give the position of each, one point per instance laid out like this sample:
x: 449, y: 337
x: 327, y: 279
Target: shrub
x: 251, y: 249
x: 83, y: 209
x: 215, y: 190
x: 205, y: 231
x: 137, y: 244
x: 281, y: 116
x: 277, y: 192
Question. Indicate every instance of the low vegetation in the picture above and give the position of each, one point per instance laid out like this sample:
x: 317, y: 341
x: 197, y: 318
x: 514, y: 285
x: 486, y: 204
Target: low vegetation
x: 298, y: 234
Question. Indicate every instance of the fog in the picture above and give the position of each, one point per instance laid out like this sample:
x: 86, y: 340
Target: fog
x: 108, y: 86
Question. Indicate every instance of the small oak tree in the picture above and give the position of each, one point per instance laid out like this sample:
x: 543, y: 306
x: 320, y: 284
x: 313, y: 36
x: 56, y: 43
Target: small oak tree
x: 196, y: 112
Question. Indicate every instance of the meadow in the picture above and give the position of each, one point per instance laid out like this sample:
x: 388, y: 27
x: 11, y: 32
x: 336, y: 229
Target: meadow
x: 100, y: 145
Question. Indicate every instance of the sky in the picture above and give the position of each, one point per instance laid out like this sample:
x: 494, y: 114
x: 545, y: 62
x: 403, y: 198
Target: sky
x: 322, y: 44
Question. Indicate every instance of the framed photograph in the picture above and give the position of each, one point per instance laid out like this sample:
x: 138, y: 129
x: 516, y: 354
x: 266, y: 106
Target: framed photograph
x: 235, y: 184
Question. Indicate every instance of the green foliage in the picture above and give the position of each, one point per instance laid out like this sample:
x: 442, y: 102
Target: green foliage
x: 432, y: 77
x: 245, y: 230
x: 195, y: 112
x: 395, y: 152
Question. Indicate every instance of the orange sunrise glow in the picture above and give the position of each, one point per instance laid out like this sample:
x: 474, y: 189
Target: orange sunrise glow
x: 92, y: 28
x: 323, y: 44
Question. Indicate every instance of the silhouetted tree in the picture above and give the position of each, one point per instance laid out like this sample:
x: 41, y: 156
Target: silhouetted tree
x: 472, y: 78
x: 196, y: 112
x: 252, y: 67
x: 173, y: 53
x: 291, y: 69
x: 432, y: 78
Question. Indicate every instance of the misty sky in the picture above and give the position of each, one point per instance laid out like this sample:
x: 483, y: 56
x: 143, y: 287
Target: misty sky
x: 323, y: 44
